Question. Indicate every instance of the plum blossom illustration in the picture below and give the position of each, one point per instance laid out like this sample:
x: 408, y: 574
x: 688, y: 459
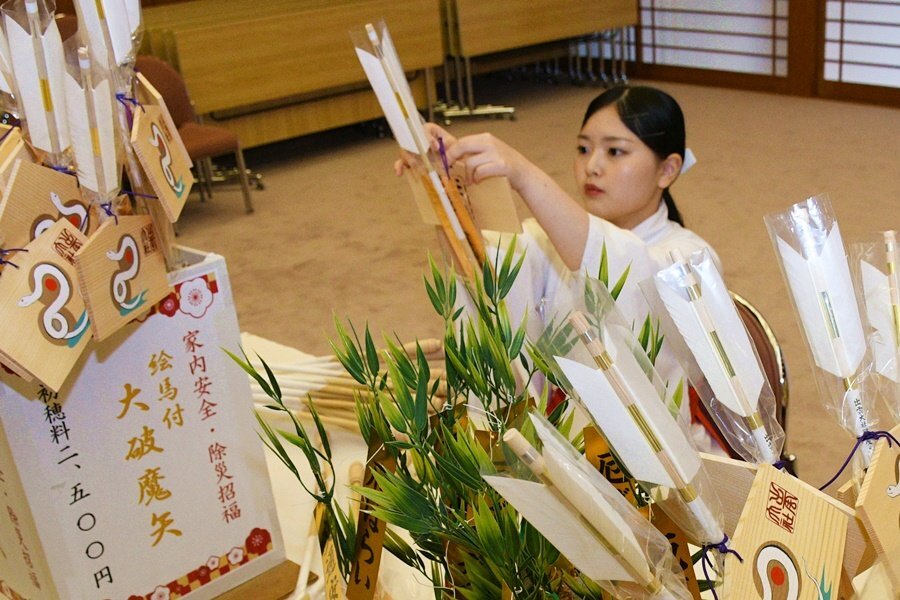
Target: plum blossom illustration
x: 196, y: 297
x: 169, y: 305
x: 160, y: 593
x: 258, y: 540
x: 213, y: 563
x: 236, y: 555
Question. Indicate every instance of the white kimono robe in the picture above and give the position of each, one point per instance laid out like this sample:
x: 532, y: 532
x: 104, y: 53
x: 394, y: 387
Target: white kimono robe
x: 645, y: 249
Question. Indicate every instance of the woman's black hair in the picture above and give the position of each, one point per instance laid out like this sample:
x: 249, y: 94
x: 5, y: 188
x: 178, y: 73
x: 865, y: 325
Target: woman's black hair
x: 654, y: 117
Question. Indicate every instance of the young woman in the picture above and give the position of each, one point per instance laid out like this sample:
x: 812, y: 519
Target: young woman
x: 629, y: 151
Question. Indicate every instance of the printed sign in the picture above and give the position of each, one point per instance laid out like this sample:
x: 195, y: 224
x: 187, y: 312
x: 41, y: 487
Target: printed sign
x: 144, y: 476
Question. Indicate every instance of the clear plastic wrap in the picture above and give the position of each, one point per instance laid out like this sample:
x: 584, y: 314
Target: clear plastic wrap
x: 38, y: 64
x: 90, y: 105
x: 582, y: 514
x: 877, y: 273
x: 720, y: 359
x: 593, y: 355
x: 811, y: 253
x: 112, y: 28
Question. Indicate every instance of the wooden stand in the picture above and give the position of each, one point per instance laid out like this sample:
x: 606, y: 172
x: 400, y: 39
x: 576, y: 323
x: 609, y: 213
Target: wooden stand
x: 276, y: 583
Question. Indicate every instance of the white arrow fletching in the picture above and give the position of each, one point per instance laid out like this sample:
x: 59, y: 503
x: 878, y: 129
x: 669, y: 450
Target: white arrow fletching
x: 388, y: 100
x: 876, y: 289
x: 810, y: 282
x: 83, y: 140
x: 392, y: 60
x: 566, y: 531
x: 31, y: 97
x: 620, y: 429
x: 114, y: 17
x: 734, y: 339
x: 571, y: 478
x: 133, y: 10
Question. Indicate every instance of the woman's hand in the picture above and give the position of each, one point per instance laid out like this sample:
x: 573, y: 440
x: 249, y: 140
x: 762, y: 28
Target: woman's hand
x: 487, y: 156
x: 435, y: 133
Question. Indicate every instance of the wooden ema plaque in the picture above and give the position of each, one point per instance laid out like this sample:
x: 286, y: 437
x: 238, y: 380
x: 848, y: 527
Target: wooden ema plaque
x: 12, y: 149
x: 35, y: 198
x: 46, y: 324
x: 490, y: 202
x: 597, y: 451
x: 369, y: 531
x: 158, y: 148
x: 121, y: 273
x: 791, y: 537
x: 331, y: 568
x: 680, y: 549
x: 878, y: 506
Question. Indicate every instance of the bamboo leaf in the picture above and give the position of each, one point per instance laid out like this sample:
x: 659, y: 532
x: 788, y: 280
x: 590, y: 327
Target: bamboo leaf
x: 272, y: 380
x: 371, y: 353
x: 617, y: 289
x: 248, y: 368
x: 603, y: 273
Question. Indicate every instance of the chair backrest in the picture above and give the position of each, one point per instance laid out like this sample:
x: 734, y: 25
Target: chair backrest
x: 67, y: 25
x: 770, y: 355
x: 169, y: 83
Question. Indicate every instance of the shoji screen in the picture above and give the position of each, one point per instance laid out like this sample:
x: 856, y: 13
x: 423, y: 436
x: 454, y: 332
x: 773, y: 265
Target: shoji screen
x: 741, y: 36
x: 862, y: 42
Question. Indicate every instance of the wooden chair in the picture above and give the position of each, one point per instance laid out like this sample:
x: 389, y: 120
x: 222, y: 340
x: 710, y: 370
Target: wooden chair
x: 202, y: 141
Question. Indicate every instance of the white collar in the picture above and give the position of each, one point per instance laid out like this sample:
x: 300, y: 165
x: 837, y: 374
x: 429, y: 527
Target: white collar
x: 655, y: 227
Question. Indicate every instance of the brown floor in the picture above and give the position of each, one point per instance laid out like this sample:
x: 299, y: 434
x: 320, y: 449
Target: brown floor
x: 335, y: 233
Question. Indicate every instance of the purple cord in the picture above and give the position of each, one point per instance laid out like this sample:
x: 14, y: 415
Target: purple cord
x: 865, y: 437
x: 721, y: 548
x: 107, y: 208
x: 126, y: 101
x: 140, y: 195
x: 443, y: 152
x: 5, y: 251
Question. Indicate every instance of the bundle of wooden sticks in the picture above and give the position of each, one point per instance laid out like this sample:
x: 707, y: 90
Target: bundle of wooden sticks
x: 322, y: 381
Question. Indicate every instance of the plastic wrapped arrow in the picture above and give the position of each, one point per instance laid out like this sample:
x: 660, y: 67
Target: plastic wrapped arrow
x: 811, y: 253
x: 596, y: 358
x: 879, y: 281
x: 581, y: 514
x: 379, y: 60
x: 36, y: 54
x: 89, y: 101
x: 702, y: 310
